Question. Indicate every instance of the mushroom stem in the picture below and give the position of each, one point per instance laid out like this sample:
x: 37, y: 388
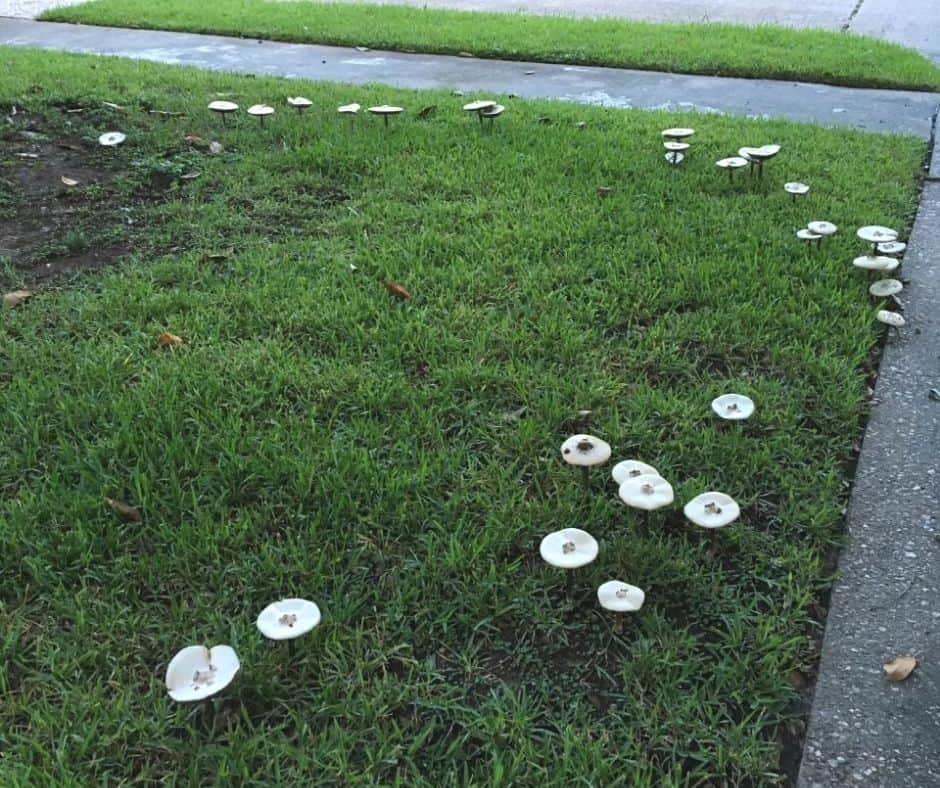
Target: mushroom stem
x: 569, y: 582
x: 291, y: 647
x: 385, y: 118
x: 618, y: 625
x: 586, y: 476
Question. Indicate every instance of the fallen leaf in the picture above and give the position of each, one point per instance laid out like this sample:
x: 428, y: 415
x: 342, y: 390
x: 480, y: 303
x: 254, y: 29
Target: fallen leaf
x: 427, y: 111
x: 215, y: 147
x: 193, y: 139
x: 544, y: 120
x: 465, y: 54
x: 604, y: 191
x: 397, y: 290
x: 190, y: 176
x: 113, y: 106
x: 362, y: 49
x: 28, y: 155
x: 529, y: 73
x: 515, y: 415
x: 224, y: 254
x: 74, y: 110
x: 17, y: 297
x: 68, y: 181
x: 167, y: 339
x: 164, y: 113
x: 128, y: 513
x: 899, y: 668
x: 934, y: 394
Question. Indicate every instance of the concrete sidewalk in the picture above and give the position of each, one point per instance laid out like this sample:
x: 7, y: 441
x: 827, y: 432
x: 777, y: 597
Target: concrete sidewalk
x: 907, y: 112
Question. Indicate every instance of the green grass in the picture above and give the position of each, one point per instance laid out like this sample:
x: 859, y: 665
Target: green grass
x: 316, y: 437
x: 767, y: 51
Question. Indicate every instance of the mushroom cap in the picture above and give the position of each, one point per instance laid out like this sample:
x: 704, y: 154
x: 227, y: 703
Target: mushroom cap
x: 873, y: 263
x: 712, y: 510
x: 822, y: 228
x: 385, y: 109
x: 629, y: 469
x: 493, y: 112
x: 885, y: 287
x: 647, y: 492
x: 568, y: 548
x: 349, y: 109
x: 731, y: 163
x: 620, y: 597
x: 299, y: 101
x: 220, y: 664
x: 762, y: 153
x: 876, y: 234
x: 733, y: 406
x: 676, y: 146
x: 678, y: 133
x: 477, y: 106
x: 288, y: 618
x: 807, y: 235
x: 223, y: 106
x: 111, y: 138
x: 795, y: 187
x: 585, y: 450
x: 890, y: 318
x: 891, y: 247
x: 674, y: 157
x: 260, y: 110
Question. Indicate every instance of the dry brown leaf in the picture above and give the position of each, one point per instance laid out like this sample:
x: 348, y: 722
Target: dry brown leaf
x: 190, y: 176
x: 166, y: 339
x: 17, y: 297
x: 68, y: 181
x: 397, y: 290
x: 128, y: 513
x: 193, y: 139
x: 899, y: 668
x: 465, y: 54
x: 427, y: 111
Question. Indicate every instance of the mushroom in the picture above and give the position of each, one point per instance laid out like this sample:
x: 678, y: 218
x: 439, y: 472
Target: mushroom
x: 809, y: 235
x: 822, y: 228
x: 620, y: 597
x: 646, y: 491
x: 569, y: 548
x: 757, y: 156
x: 351, y: 110
x: 223, y: 108
x: 733, y: 407
x: 111, y: 138
x: 884, y: 288
x: 873, y: 263
x: 585, y: 451
x: 712, y: 510
x: 875, y: 234
x: 630, y: 469
x: 492, y: 113
x: 260, y: 111
x: 197, y: 672
x: 675, y: 155
x: 678, y: 134
x: 796, y: 189
x: 288, y: 619
x: 479, y: 107
x: 299, y: 103
x: 731, y: 164
x: 892, y: 319
x: 386, y: 110
x: 891, y: 248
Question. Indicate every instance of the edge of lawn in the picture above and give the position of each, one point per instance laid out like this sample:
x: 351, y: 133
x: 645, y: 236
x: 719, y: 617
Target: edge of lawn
x: 714, y: 49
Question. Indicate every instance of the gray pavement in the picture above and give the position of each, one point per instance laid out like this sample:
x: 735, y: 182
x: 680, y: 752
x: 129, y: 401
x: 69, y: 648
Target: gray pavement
x: 906, y: 112
x: 27, y: 9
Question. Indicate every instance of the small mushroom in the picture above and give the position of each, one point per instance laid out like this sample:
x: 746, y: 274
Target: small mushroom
x: 223, y: 108
x: 822, y: 228
x: 678, y: 134
x: 111, y: 138
x: 879, y: 263
x: 620, y: 597
x: 260, y: 111
x: 675, y: 154
x: 731, y: 164
x: 197, y: 672
x: 892, y: 319
x: 712, y: 510
x: 569, y: 548
x: 288, y: 619
x: 891, y: 248
x: 876, y: 234
x: 884, y: 288
x: 809, y: 235
x: 386, y: 111
x: 733, y: 407
x: 479, y: 107
x: 299, y: 103
x: 349, y: 109
x: 630, y: 469
x: 585, y: 451
x: 757, y: 156
x: 492, y: 113
x: 796, y: 189
x: 646, y: 492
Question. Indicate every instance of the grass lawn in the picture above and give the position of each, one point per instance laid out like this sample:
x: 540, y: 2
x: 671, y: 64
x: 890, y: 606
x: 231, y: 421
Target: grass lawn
x: 398, y: 461
x: 719, y: 49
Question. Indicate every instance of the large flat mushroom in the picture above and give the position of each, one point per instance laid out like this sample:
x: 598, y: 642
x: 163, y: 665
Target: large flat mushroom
x: 891, y: 248
x: 569, y: 548
x: 712, y: 510
x: 892, y: 319
x: 260, y: 111
x: 492, y: 113
x: 879, y: 263
x: 585, y: 451
x: 223, y: 108
x: 197, y: 672
x: 796, y: 189
x: 646, y: 492
x: 630, y: 469
x: 731, y: 164
x: 757, y: 156
x: 386, y: 111
x: 619, y: 597
x: 733, y: 407
x: 678, y: 134
x: 299, y: 103
x: 885, y: 288
x: 111, y: 138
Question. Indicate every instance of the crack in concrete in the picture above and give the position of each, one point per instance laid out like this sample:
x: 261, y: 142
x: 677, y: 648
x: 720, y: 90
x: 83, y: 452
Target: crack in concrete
x: 852, y: 15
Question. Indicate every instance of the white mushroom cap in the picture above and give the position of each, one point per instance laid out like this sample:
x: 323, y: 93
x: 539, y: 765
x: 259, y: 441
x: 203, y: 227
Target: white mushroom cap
x: 733, y: 406
x: 890, y: 318
x: 678, y: 134
x: 891, y: 247
x: 822, y: 228
x: 568, y: 548
x: 477, y: 106
x: 876, y: 263
x: 288, y: 619
x: 111, y: 138
x: 647, y: 492
x: 620, y: 597
x: 299, y: 101
x: 260, y: 110
x: 629, y: 469
x: 493, y: 112
x: 676, y: 146
x: 795, y: 187
x: 385, y: 109
x: 223, y: 106
x: 585, y: 450
x: 712, y: 510
x: 885, y: 287
x: 762, y: 153
x: 807, y: 235
x: 731, y: 163
x: 674, y: 157
x: 349, y: 109
x: 876, y: 234
x: 197, y: 672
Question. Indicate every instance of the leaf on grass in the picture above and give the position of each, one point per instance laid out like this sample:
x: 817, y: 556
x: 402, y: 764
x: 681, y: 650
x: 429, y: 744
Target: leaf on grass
x: 68, y: 181
x: 190, y: 176
x: 515, y: 415
x: 128, y: 513
x: 17, y: 297
x: 193, y: 139
x: 397, y: 290
x: 164, y: 113
x: 604, y: 191
x: 427, y: 111
x: 544, y: 120
x: 362, y: 49
x: 224, y: 254
x: 28, y: 155
x: 899, y: 668
x: 166, y: 339
x: 465, y: 54
x: 215, y: 147
x: 113, y: 106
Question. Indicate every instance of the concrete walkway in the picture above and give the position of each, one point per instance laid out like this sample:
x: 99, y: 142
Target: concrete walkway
x: 905, y: 112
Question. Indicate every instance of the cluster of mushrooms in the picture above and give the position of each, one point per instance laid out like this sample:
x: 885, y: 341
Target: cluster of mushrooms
x: 198, y: 672
x: 640, y: 486
x: 749, y: 157
x: 676, y: 144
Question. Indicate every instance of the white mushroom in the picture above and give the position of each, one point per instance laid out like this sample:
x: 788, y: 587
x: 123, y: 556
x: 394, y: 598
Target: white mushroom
x: 386, y: 111
x: 480, y: 106
x: 796, y: 189
x: 678, y: 133
x: 197, y: 672
x: 223, y: 108
x: 585, y: 451
x: 260, y: 111
x: 731, y: 164
x: 674, y: 157
x: 733, y: 407
x: 876, y: 234
x: 299, y: 103
x: 111, y: 138
x: 630, y: 469
x: 712, y: 510
x: 822, y: 228
x: 568, y: 548
x: 349, y: 109
x: 872, y: 263
x: 891, y: 248
x: 757, y: 156
x: 646, y: 492
x: 885, y: 287
x: 288, y: 619
x: 892, y: 319
x: 492, y: 113
x: 808, y: 235
x: 620, y: 597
